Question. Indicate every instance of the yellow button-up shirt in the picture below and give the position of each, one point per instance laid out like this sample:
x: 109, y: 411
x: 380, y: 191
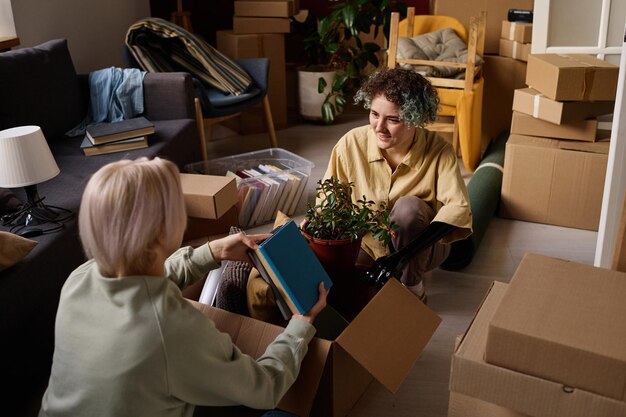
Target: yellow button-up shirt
x: 429, y: 171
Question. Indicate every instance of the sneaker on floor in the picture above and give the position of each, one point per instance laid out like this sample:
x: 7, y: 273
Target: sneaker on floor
x: 419, y: 291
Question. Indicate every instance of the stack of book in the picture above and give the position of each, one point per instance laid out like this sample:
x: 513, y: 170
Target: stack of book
x: 265, y: 190
x: 126, y: 135
x: 291, y: 269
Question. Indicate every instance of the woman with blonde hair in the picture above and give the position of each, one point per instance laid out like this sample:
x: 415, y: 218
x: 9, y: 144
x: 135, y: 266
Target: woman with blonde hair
x: 126, y: 341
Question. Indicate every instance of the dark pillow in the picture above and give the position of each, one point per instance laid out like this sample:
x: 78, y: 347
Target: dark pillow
x: 8, y: 201
x: 39, y: 86
x: 231, y: 291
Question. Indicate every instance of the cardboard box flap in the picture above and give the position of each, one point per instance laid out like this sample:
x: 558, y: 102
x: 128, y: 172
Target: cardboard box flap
x: 253, y: 336
x: 533, y: 141
x: 594, y: 147
x: 389, y: 334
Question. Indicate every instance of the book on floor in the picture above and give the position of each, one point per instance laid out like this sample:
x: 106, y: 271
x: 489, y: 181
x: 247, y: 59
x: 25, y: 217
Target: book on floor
x: 293, y: 267
x: 116, y: 131
x: 90, y: 149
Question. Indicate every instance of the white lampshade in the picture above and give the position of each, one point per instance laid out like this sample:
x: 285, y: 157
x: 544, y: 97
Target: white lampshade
x: 25, y: 158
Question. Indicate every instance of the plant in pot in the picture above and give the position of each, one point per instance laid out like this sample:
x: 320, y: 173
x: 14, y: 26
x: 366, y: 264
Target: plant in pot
x: 338, y: 59
x: 335, y: 225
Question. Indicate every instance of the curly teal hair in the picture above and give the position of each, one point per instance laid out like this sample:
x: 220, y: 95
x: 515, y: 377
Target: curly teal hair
x: 416, y: 97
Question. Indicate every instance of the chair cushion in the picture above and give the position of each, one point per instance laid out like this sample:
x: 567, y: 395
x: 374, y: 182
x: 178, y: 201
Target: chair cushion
x: 219, y: 99
x: 39, y: 86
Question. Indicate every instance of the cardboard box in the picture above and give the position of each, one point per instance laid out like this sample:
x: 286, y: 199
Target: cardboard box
x: 497, y: 11
x: 208, y: 196
x: 526, y: 394
x: 572, y: 77
x: 514, y: 49
x: 247, y: 25
x: 502, y: 76
x: 271, y: 46
x: 562, y: 321
x: 460, y: 405
x: 274, y: 8
x: 379, y: 342
x: 521, y: 32
x: 554, y: 182
x: 583, y: 130
x: 532, y: 102
x: 198, y: 228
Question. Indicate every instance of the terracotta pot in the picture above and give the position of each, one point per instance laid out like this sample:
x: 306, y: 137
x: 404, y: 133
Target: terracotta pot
x: 335, y: 255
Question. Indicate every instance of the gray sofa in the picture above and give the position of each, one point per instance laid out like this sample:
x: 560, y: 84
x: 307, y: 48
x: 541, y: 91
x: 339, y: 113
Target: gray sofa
x: 39, y: 86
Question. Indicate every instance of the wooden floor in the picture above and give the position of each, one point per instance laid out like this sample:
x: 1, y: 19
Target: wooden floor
x: 454, y: 296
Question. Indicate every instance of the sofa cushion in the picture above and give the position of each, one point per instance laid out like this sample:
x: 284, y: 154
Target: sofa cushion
x: 13, y: 248
x: 39, y: 86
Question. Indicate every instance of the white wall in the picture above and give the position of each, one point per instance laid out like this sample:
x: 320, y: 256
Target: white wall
x: 95, y: 30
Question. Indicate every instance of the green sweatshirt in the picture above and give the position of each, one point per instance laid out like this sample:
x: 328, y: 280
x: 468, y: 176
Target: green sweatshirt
x: 134, y: 346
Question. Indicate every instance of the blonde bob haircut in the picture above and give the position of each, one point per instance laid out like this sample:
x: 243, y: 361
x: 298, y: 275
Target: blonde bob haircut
x: 130, y: 208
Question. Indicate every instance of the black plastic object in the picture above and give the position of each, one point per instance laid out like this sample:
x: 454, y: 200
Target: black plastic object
x: 520, y: 15
x: 484, y: 194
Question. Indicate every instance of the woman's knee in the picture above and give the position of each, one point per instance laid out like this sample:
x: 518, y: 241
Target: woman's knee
x: 411, y: 213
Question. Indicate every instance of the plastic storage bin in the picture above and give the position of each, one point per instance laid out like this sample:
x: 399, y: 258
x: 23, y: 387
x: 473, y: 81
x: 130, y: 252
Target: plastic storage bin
x: 267, y: 181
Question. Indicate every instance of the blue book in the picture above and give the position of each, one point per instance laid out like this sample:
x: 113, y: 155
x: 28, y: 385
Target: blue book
x: 293, y: 267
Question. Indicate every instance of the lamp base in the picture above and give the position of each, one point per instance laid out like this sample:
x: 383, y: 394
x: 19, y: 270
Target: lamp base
x: 35, y: 211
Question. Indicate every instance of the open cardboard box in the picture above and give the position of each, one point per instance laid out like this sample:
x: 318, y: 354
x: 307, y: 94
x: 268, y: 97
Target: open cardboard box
x: 529, y: 395
x: 380, y: 342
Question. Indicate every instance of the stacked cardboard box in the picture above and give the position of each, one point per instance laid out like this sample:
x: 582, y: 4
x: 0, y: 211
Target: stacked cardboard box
x: 515, y: 39
x: 258, y: 31
x: 546, y: 345
x: 548, y: 177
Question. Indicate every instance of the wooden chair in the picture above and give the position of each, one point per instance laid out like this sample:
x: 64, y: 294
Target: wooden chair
x: 460, y: 99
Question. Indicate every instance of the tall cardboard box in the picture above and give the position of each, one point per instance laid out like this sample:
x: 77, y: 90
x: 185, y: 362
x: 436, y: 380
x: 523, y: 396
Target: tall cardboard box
x: 553, y: 182
x: 572, y: 77
x: 515, y: 50
x: 272, y: 46
x: 583, y: 130
x: 251, y: 25
x: 562, y: 321
x: 532, y: 102
x: 269, y: 8
x: 472, y: 376
x: 521, y: 32
x: 380, y: 342
x: 502, y: 77
x: 497, y: 11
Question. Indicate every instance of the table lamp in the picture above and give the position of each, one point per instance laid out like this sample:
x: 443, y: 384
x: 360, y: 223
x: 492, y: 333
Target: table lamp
x: 25, y: 161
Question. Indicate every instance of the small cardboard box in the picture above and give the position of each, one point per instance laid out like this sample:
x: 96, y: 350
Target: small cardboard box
x: 460, y: 405
x: 208, y: 196
x: 497, y: 11
x: 252, y: 8
x: 248, y: 25
x: 562, y: 321
x: 532, y: 102
x: 525, y: 394
x: 521, y: 32
x: 502, y: 76
x: 379, y: 342
x: 515, y: 50
x: 572, y: 77
x: 268, y: 45
x: 554, y: 182
x: 583, y: 130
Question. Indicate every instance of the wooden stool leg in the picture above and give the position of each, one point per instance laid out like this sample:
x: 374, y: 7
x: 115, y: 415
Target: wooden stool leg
x: 270, y: 122
x: 455, y: 136
x: 201, y: 129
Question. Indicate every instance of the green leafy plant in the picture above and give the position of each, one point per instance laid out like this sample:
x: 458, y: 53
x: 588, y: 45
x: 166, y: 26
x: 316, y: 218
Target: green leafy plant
x: 335, y: 216
x: 333, y: 43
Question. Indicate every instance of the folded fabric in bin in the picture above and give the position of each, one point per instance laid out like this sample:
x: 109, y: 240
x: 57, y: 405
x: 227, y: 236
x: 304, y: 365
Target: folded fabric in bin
x: 484, y: 194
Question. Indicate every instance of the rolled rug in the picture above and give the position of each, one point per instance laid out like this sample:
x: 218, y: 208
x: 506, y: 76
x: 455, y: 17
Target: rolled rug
x: 484, y: 195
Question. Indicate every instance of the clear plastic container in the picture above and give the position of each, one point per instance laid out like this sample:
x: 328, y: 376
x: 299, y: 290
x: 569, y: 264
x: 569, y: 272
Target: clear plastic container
x: 268, y: 180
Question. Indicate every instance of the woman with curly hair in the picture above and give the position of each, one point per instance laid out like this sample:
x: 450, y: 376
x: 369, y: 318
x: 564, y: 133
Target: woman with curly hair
x: 396, y: 161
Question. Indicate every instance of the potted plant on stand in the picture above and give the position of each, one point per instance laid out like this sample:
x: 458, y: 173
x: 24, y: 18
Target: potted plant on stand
x: 338, y: 59
x: 335, y: 225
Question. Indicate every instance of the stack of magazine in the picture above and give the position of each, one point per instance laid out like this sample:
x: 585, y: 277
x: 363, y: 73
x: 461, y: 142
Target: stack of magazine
x: 117, y: 136
x: 266, y: 189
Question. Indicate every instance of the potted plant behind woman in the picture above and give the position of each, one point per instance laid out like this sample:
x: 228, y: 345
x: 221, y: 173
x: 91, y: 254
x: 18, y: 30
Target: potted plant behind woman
x: 338, y: 59
x: 335, y: 225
